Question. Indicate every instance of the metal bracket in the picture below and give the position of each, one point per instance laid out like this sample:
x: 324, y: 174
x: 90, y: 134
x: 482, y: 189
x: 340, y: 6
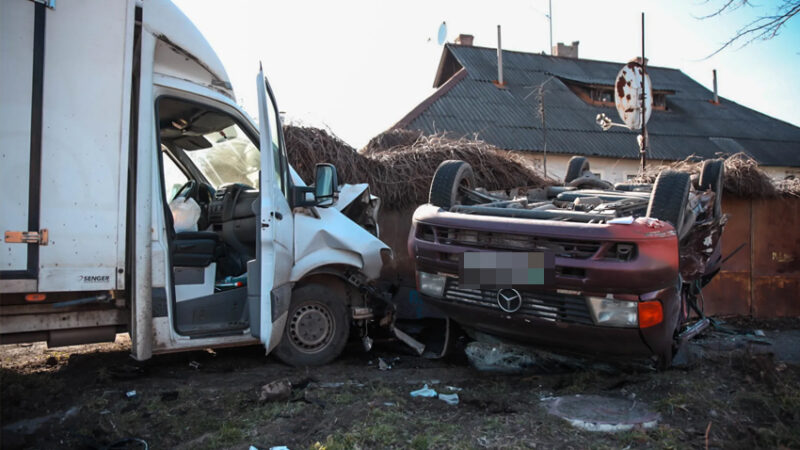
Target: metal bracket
x: 27, y: 237
x: 48, y: 3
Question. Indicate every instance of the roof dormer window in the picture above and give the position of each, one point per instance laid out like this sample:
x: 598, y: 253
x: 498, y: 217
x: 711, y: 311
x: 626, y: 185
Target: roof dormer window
x: 603, y: 95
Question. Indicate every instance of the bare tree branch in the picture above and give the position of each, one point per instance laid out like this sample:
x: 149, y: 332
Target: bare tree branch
x: 761, y: 28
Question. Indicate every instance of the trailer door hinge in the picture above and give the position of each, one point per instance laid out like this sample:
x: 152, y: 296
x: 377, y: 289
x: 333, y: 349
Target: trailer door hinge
x: 48, y: 3
x: 27, y: 237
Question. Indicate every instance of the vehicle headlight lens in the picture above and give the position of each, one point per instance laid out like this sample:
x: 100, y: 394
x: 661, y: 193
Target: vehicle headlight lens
x: 614, y: 313
x: 431, y: 284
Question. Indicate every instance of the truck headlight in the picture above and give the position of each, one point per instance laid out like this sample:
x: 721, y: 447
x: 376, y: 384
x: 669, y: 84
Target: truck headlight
x: 431, y: 284
x: 614, y: 313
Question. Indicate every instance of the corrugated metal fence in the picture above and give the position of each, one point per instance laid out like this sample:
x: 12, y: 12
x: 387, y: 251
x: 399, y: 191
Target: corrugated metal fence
x: 763, y: 278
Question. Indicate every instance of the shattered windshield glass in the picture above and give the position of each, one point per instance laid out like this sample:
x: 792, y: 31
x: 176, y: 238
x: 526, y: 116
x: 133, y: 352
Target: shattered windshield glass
x: 232, y: 158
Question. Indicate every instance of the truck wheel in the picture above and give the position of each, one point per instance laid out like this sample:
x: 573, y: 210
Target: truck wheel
x: 449, y: 176
x: 575, y: 168
x: 711, y: 177
x: 317, y: 327
x: 669, y: 198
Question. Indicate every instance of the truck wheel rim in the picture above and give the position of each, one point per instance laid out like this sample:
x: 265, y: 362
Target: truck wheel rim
x: 311, y: 328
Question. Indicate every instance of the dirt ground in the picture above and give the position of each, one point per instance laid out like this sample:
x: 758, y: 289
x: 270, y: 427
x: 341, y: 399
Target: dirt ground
x: 733, y: 391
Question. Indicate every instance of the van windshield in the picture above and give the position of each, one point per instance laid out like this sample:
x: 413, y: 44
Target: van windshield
x: 232, y: 158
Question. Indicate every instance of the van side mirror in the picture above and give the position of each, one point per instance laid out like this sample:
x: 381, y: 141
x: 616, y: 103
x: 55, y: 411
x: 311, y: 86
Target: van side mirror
x: 325, y: 184
x: 322, y: 193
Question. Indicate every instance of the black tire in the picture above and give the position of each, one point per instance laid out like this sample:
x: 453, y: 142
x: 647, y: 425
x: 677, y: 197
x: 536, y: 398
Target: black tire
x: 669, y: 198
x: 575, y: 168
x: 317, y: 327
x: 449, y: 176
x: 711, y: 177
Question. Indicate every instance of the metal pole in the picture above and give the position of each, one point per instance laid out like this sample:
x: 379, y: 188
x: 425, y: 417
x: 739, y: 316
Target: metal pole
x: 499, y: 58
x: 716, y: 96
x: 544, y: 126
x: 643, y: 149
x: 550, y: 19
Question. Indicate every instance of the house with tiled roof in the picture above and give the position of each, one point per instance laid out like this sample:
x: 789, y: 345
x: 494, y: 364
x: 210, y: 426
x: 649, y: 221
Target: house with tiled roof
x: 686, y: 119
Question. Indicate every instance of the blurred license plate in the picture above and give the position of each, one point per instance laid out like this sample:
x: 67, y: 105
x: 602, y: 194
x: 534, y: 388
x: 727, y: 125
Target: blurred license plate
x: 496, y: 270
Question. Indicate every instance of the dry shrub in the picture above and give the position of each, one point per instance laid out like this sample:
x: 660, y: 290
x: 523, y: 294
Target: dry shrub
x: 402, y: 176
x: 391, y: 139
x: 743, y: 177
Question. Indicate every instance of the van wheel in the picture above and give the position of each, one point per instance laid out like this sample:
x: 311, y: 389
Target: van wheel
x: 669, y: 198
x: 575, y: 168
x: 449, y: 177
x: 711, y: 177
x: 317, y: 327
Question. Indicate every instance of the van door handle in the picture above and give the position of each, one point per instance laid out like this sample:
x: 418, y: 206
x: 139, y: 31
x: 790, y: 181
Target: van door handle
x: 277, y: 215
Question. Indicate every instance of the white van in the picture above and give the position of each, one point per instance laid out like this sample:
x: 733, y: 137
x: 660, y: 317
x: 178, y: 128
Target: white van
x: 117, y: 123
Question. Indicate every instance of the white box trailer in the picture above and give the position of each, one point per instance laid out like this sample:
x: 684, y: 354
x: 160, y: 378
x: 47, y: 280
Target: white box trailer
x: 116, y: 119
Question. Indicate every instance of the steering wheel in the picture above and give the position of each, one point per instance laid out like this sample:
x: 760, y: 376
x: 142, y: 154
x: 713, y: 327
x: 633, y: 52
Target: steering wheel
x: 190, y: 189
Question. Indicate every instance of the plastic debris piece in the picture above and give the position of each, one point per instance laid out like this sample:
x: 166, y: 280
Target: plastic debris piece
x: 383, y: 365
x: 453, y: 388
x: 194, y: 365
x: 130, y: 394
x: 759, y: 333
x: 367, y: 342
x: 389, y: 404
x: 279, y: 447
x: 622, y: 220
x: 424, y: 392
x: 450, y: 399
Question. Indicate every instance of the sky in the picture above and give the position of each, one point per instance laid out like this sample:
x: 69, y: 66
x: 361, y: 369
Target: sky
x: 356, y: 67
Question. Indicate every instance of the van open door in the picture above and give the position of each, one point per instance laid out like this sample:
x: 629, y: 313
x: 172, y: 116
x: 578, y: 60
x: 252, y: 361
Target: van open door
x: 269, y: 292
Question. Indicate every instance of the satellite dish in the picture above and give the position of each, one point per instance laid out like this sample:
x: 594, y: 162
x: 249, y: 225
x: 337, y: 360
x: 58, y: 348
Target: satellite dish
x: 627, y: 95
x: 442, y: 37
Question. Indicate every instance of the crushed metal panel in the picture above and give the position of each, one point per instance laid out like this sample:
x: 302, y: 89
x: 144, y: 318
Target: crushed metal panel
x: 729, y: 292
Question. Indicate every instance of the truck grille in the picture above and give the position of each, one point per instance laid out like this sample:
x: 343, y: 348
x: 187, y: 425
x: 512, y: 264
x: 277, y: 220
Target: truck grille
x: 565, y: 248
x: 546, y: 306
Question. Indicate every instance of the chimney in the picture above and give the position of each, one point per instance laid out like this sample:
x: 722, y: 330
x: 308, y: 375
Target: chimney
x: 465, y: 40
x: 716, y: 97
x: 566, y: 51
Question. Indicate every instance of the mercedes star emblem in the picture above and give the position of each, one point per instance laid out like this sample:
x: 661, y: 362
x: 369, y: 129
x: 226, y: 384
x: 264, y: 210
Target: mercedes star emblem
x: 509, y: 300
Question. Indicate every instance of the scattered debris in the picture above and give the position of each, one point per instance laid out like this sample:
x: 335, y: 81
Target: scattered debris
x: 425, y: 392
x: 759, y: 333
x: 607, y: 414
x: 498, y: 357
x: 194, y: 365
x: 383, y: 365
x: 130, y: 394
x: 275, y: 391
x: 450, y: 399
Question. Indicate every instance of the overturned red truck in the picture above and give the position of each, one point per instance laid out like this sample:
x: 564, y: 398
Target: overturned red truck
x: 611, y: 270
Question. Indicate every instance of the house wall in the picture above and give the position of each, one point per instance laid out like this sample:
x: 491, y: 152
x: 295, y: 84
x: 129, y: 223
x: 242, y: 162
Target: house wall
x: 620, y: 170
